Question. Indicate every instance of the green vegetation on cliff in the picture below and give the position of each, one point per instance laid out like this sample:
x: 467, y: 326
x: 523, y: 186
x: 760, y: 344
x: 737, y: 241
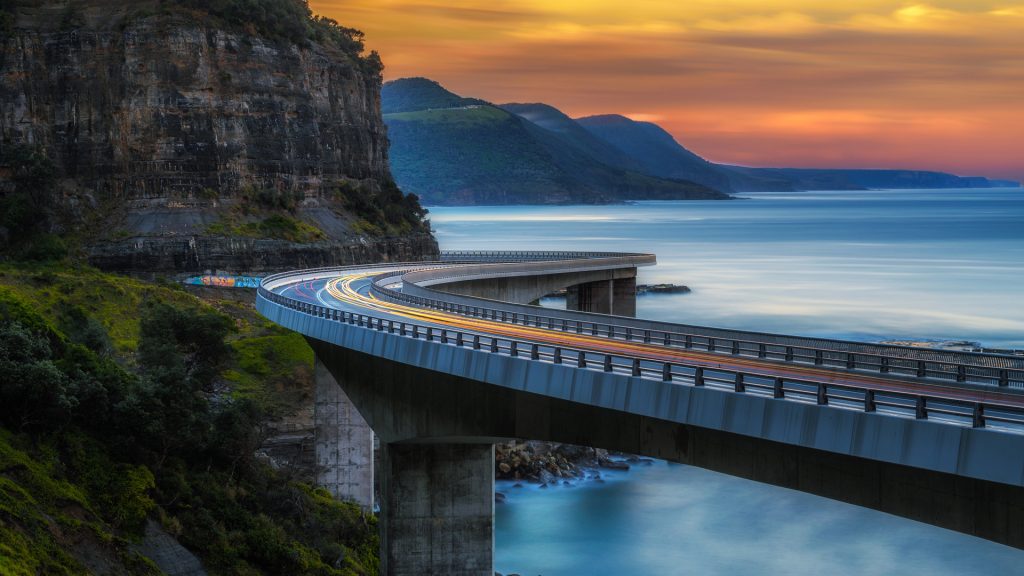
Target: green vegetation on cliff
x: 43, y: 517
x: 130, y: 410
x: 290, y: 20
x: 124, y: 401
x: 386, y: 211
x: 278, y: 226
x: 27, y: 203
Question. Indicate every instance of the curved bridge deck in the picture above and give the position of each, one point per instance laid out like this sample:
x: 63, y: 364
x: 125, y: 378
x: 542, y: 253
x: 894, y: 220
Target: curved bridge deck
x: 424, y: 365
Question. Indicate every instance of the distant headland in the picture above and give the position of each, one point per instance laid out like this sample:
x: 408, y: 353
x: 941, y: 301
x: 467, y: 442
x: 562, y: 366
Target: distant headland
x: 452, y: 150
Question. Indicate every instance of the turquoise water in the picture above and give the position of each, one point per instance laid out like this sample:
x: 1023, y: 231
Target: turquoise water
x: 943, y: 265
x: 667, y: 519
x: 866, y: 265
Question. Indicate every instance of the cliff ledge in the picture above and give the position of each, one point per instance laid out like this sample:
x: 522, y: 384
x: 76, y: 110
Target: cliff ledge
x: 184, y: 142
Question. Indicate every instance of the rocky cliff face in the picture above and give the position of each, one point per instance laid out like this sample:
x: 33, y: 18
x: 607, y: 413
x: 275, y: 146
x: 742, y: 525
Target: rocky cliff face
x: 165, y: 127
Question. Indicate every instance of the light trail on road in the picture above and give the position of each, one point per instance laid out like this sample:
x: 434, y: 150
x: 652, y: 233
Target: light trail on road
x: 342, y: 290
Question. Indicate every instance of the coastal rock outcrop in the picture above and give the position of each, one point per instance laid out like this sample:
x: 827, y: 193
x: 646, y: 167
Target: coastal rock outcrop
x: 546, y: 462
x: 184, y: 143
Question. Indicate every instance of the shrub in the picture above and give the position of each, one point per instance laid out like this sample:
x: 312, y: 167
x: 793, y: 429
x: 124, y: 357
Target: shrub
x: 51, y: 382
x: 386, y: 210
x: 270, y: 198
x: 289, y: 20
x: 25, y: 209
x: 161, y: 441
x: 42, y: 248
x: 35, y: 392
x: 122, y: 492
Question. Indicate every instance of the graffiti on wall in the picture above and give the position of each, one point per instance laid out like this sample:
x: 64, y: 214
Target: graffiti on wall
x: 225, y: 281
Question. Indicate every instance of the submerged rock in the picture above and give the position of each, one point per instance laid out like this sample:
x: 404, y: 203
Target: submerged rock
x: 662, y: 289
x: 614, y: 464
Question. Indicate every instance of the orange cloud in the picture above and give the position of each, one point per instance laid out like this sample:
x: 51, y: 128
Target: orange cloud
x: 933, y: 84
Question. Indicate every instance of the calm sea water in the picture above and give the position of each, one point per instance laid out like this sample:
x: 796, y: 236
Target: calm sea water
x: 909, y: 264
x: 865, y: 265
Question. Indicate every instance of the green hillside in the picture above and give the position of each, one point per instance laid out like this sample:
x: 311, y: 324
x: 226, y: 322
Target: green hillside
x: 124, y: 402
x: 418, y: 94
x: 658, y: 153
x: 475, y: 156
x: 573, y: 134
x: 468, y: 152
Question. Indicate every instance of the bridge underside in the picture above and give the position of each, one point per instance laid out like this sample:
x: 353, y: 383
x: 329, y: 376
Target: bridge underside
x: 600, y: 291
x: 424, y: 417
x: 603, y: 297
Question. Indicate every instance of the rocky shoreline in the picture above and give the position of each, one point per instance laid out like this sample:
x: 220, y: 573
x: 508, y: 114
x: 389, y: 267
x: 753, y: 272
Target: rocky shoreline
x: 552, y: 464
x: 641, y: 289
x: 957, y: 345
x: 547, y: 463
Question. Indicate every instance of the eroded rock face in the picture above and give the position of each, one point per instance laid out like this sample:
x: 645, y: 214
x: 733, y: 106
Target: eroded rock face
x: 145, y: 256
x: 162, y: 125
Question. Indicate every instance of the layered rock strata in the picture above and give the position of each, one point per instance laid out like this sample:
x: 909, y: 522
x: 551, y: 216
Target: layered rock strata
x: 176, y: 136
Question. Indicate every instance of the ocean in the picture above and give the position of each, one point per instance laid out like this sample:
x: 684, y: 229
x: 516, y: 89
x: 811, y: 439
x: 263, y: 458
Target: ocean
x: 906, y: 265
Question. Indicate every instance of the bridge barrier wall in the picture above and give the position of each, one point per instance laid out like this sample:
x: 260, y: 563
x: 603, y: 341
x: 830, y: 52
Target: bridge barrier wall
x: 923, y: 456
x: 892, y: 427
x: 958, y: 367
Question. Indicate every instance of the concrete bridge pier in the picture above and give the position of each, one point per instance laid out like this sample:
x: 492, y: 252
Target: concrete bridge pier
x: 437, y: 509
x: 436, y: 498
x: 343, y: 442
x: 614, y: 296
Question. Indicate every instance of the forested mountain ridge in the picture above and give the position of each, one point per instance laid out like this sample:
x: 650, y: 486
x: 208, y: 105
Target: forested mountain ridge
x: 453, y: 150
x: 657, y: 152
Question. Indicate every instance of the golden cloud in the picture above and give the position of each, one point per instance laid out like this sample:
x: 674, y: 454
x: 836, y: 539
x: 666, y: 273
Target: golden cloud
x: 932, y: 84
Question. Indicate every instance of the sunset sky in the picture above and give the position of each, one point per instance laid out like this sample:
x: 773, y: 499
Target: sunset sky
x: 844, y: 83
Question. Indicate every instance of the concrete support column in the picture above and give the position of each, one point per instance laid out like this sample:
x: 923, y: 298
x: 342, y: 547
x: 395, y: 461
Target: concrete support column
x: 604, y: 297
x: 437, y: 509
x: 572, y: 298
x: 590, y: 297
x: 624, y: 297
x: 343, y: 443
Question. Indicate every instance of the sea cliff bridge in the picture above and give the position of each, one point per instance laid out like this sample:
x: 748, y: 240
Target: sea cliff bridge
x: 443, y: 359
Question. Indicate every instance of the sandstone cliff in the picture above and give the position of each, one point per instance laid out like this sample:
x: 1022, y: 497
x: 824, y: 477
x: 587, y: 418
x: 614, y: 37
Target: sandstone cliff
x: 185, y: 144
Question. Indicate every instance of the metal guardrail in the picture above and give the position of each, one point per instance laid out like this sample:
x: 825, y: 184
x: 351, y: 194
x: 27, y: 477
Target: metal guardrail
x: 917, y: 406
x: 468, y: 270
x: 896, y: 360
x: 984, y: 359
x: 525, y: 256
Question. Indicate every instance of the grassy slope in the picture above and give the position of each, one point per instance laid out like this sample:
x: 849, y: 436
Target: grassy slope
x: 44, y: 518
x: 52, y: 522
x: 415, y: 94
x: 271, y: 365
x: 112, y: 300
x: 266, y: 355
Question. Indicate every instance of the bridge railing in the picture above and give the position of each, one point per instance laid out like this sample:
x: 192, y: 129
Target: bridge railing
x: 490, y: 269
x: 947, y: 366
x: 919, y: 406
x: 525, y: 255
